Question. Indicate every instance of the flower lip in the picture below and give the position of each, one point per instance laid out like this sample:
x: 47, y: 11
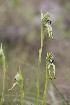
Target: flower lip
x: 49, y: 21
x: 51, y: 61
x: 17, y: 77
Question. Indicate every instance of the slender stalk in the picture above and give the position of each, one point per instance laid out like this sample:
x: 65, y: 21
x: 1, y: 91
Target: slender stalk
x: 46, y: 85
x: 39, y: 62
x: 4, y: 76
x: 37, y: 85
x: 20, y: 83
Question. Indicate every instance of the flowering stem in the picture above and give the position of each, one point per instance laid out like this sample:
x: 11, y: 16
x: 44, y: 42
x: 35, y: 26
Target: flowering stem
x: 4, y: 76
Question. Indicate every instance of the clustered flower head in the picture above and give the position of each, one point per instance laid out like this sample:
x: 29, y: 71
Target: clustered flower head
x: 47, y: 23
x: 49, y: 57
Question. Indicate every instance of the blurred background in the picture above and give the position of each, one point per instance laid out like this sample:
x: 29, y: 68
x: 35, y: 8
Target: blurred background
x: 20, y: 22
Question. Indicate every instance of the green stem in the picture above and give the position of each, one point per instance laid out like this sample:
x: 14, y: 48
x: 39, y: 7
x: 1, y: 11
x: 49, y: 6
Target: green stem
x: 4, y: 69
x: 37, y: 86
x: 21, y: 94
x: 46, y: 85
x: 39, y: 64
x: 20, y: 83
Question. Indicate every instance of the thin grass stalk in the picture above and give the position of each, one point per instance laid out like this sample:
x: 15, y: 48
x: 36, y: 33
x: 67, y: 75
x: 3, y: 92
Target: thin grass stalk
x: 19, y: 79
x: 39, y: 62
x: 21, y: 94
x: 46, y: 85
x: 21, y: 90
x: 37, y: 86
x: 4, y: 76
